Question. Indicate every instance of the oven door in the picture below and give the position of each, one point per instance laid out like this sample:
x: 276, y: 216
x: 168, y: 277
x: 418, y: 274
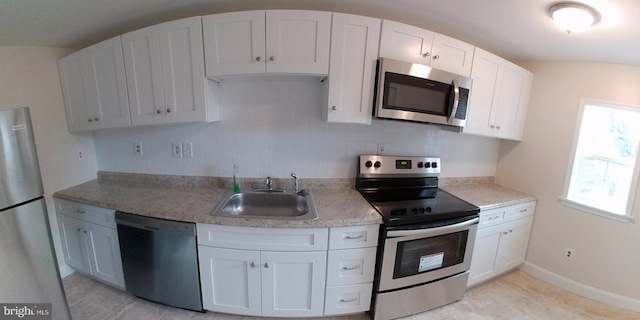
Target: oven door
x: 415, y: 256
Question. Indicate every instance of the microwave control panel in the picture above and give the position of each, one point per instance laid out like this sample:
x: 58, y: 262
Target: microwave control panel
x: 375, y: 165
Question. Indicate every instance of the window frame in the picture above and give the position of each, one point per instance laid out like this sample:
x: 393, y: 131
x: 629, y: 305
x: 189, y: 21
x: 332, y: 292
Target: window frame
x: 633, y: 188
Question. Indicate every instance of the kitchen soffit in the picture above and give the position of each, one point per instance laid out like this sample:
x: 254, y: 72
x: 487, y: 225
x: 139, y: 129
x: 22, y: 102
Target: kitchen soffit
x: 517, y: 30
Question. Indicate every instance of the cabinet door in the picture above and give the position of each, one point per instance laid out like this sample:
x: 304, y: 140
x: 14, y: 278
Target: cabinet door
x: 182, y: 57
x: 230, y: 280
x: 73, y: 243
x: 298, y: 41
x: 514, y: 242
x: 107, y: 96
x: 104, y: 254
x: 512, y: 98
x: 405, y: 42
x: 234, y: 43
x: 73, y: 91
x: 485, y: 254
x: 451, y: 55
x: 144, y: 76
x: 351, y: 81
x: 293, y: 283
x: 486, y: 79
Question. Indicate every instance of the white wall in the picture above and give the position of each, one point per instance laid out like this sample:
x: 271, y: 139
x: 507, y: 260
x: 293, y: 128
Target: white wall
x: 29, y: 78
x: 607, y: 252
x: 273, y: 126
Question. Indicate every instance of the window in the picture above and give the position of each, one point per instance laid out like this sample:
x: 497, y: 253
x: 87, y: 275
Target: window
x: 603, y: 172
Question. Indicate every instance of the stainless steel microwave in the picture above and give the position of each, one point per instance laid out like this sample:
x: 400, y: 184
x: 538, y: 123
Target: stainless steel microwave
x: 415, y: 92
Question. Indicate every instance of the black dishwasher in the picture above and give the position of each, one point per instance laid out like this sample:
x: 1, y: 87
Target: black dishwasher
x: 160, y: 260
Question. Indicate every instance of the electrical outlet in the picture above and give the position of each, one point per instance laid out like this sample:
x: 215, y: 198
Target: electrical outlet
x: 80, y: 154
x: 137, y: 148
x: 569, y: 254
x: 187, y: 149
x: 380, y: 149
x: 176, y: 149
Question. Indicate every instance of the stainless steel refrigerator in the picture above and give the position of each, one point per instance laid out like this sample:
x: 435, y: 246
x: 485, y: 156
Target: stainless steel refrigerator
x: 28, y: 268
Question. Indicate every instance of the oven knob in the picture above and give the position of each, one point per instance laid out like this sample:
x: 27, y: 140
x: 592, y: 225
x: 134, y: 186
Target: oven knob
x: 377, y: 164
x: 414, y: 210
x: 368, y: 164
x: 428, y: 209
x: 434, y: 164
x: 421, y: 210
x: 427, y: 165
x: 420, y: 165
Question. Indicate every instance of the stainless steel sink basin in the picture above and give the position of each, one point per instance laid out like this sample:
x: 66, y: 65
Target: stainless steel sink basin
x: 269, y: 205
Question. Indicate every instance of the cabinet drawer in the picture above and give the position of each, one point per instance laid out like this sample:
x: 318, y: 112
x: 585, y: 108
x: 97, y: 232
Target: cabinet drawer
x: 85, y: 212
x: 353, y: 237
x: 351, y: 266
x: 492, y: 217
x: 348, y: 299
x: 522, y: 210
x: 281, y: 239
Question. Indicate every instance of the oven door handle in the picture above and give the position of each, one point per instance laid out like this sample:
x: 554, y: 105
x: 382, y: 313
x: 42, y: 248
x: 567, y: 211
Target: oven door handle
x: 432, y: 231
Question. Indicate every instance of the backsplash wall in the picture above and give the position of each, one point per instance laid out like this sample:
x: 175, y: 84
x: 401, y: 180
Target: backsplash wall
x: 273, y: 126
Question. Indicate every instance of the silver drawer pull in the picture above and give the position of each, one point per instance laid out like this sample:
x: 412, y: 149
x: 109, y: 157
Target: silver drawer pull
x: 266, y: 265
x: 351, y: 268
x: 494, y: 217
x: 252, y: 264
x: 80, y: 211
x: 353, y: 238
x: 350, y: 300
x: 523, y: 210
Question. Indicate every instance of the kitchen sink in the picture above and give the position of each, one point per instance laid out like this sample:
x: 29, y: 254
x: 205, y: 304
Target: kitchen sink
x: 268, y: 204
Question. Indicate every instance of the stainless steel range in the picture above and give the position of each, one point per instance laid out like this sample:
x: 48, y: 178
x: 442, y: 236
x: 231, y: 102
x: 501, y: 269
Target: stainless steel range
x: 426, y: 240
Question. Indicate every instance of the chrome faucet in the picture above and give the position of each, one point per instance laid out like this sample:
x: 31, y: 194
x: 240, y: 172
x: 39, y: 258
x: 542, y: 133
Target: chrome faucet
x: 295, y: 181
x: 269, y: 184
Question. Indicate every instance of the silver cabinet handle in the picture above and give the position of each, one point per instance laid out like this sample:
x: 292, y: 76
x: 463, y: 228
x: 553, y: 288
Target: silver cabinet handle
x: 498, y: 127
x: 272, y: 58
x: 493, y: 218
x: 90, y: 120
x: 266, y: 265
x: 158, y: 111
x: 353, y: 238
x: 79, y: 230
x: 85, y: 231
x: 97, y: 119
x: 168, y: 110
x: 436, y: 57
x: 334, y: 108
x: 426, y: 54
x: 258, y: 59
x: 523, y: 210
x: 80, y: 211
x: 351, y: 268
x: 252, y: 264
x: 350, y: 300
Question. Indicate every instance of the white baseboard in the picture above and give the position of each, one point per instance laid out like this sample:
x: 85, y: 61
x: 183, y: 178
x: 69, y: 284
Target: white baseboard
x: 581, y: 289
x: 66, y: 271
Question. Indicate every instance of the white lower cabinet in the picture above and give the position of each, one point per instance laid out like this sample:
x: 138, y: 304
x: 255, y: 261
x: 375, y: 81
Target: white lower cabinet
x: 350, y: 269
x: 90, y: 248
x: 501, y: 241
x: 276, y: 283
x: 287, y: 272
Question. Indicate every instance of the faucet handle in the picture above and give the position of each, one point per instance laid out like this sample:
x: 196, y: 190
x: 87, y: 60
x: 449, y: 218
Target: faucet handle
x: 295, y: 181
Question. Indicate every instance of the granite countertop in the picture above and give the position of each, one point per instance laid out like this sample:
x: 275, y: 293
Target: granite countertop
x: 192, y: 199
x: 194, y: 203
x: 484, y: 193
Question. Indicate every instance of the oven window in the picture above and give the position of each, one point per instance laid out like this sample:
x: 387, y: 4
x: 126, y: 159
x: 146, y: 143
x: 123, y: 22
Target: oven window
x: 407, y: 93
x: 427, y: 254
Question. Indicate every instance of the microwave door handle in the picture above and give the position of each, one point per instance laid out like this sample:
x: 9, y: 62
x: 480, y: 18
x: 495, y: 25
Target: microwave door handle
x: 432, y: 231
x: 456, y: 99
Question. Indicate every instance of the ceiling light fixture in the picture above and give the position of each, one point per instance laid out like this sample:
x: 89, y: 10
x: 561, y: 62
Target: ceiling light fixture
x: 573, y: 16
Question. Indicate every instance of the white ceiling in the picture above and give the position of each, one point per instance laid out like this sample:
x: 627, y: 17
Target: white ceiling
x: 520, y: 30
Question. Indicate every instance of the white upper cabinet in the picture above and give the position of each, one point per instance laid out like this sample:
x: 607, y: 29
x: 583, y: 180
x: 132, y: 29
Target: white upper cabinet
x: 165, y: 73
x: 412, y: 44
x: 499, y: 97
x: 275, y: 41
x: 94, y: 87
x: 352, y: 71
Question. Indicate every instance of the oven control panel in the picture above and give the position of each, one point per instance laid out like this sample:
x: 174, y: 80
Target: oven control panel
x: 375, y: 165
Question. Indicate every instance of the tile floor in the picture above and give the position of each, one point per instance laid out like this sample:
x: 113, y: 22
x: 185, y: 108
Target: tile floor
x: 515, y: 295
